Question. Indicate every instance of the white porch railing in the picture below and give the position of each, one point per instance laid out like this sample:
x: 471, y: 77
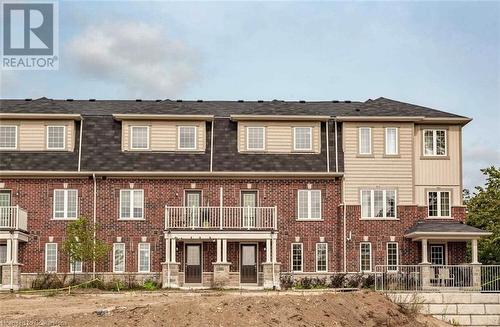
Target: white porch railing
x: 13, y: 217
x: 236, y: 218
x: 437, y: 278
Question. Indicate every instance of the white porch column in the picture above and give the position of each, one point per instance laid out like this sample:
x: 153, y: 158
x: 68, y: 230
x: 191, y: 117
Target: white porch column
x: 167, y: 250
x: 424, y: 251
x: 9, y: 251
x: 15, y: 247
x: 219, y: 250
x: 224, y: 251
x: 268, y: 250
x: 172, y: 250
x: 273, y: 242
x: 474, y: 252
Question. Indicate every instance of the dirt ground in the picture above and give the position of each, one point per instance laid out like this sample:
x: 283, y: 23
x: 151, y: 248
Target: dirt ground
x: 206, y: 309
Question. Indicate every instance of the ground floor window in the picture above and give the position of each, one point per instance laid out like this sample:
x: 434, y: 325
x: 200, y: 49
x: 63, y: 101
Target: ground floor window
x: 297, y: 259
x: 321, y: 257
x: 119, y: 257
x: 392, y: 256
x: 50, y: 257
x: 144, y: 257
x: 76, y: 266
x: 365, y: 257
x: 437, y: 254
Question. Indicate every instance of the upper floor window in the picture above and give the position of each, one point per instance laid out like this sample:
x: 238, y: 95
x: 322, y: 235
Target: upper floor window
x: 139, y: 137
x: 365, y: 256
x: 321, y: 257
x: 50, y: 257
x: 302, y: 138
x: 187, y: 137
x: 56, y: 137
x: 365, y: 140
x: 65, y: 204
x: 309, y: 204
x: 297, y: 259
x: 439, y: 203
x: 8, y: 137
x: 131, y: 204
x: 435, y: 142
x: 378, y: 204
x: 256, y: 138
x: 391, y: 141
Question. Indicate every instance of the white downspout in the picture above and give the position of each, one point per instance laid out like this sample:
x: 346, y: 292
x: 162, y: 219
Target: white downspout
x: 80, y: 145
x: 94, y: 221
x: 336, y: 149
x: 327, y: 149
x: 12, y: 260
x: 344, y: 221
x: 212, y: 145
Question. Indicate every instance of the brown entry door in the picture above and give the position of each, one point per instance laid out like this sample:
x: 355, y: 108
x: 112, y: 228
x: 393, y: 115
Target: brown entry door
x: 193, y: 263
x: 249, y: 263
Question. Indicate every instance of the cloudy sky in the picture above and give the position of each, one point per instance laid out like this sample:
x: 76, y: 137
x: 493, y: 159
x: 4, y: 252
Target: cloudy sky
x: 444, y: 55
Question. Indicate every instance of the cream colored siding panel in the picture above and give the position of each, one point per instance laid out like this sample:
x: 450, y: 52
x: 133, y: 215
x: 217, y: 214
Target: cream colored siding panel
x: 278, y: 135
x: 164, y: 134
x: 444, y: 172
x: 32, y: 134
x: 377, y: 169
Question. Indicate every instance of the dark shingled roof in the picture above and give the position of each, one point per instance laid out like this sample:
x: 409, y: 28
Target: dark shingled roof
x: 444, y: 227
x: 101, y: 144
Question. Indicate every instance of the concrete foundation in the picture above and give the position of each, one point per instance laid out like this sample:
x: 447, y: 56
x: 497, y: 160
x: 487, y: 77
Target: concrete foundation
x: 11, y: 276
x: 270, y: 281
x: 170, y: 274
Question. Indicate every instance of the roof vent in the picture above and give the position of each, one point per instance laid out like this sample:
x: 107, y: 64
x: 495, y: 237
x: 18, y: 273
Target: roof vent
x: 157, y: 100
x: 199, y: 100
x: 240, y: 100
x: 302, y: 101
x: 138, y: 100
x: 69, y: 100
x: 179, y: 100
x: 27, y: 99
x: 335, y: 101
x: 260, y: 101
x: 92, y: 100
x: 347, y: 101
x: 357, y: 109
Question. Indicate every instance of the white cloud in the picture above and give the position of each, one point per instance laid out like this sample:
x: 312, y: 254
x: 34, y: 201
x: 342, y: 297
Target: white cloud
x: 137, y: 57
x: 477, y: 156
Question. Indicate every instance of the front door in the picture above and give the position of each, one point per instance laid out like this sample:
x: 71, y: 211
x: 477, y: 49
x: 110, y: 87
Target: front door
x: 5, y: 211
x: 193, y: 203
x: 193, y: 263
x: 248, y: 263
x: 437, y: 255
x: 249, y: 204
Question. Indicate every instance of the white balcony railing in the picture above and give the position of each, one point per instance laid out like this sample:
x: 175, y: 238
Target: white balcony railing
x: 13, y: 217
x: 236, y: 218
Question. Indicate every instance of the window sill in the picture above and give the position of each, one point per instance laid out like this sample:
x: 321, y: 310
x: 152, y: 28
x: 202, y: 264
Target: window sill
x: 359, y: 155
x: 131, y: 219
x: 63, y: 219
x: 379, y: 218
x: 389, y: 156
x: 447, y: 157
x: 309, y: 219
x: 440, y: 218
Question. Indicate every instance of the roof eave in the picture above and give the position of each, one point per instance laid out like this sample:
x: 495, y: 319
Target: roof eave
x: 279, y: 117
x: 419, y: 119
x: 415, y: 236
x: 120, y: 117
x: 6, y: 115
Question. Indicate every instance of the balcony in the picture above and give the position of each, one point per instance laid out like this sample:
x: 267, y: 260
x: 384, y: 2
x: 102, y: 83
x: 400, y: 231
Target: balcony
x: 13, y: 217
x: 221, y: 218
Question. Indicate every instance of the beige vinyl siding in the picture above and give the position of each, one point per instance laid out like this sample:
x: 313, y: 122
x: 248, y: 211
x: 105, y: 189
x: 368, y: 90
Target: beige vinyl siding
x: 279, y: 135
x: 377, y: 169
x: 163, y: 134
x: 443, y: 172
x: 32, y: 134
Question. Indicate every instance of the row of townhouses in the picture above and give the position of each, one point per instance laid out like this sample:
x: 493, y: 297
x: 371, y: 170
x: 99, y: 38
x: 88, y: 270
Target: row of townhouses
x: 230, y: 193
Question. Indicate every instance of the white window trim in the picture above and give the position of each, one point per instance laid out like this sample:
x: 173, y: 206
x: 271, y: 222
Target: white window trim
x: 124, y: 258
x: 64, y: 137
x: 439, y: 216
x: 179, y: 137
x: 434, y: 143
x: 17, y: 135
x: 65, y: 200
x: 387, y: 256
x: 326, y: 247
x: 131, y: 205
x: 372, y: 204
x: 46, y: 256
x: 263, y: 138
x: 301, y: 257
x: 131, y: 137
x: 77, y: 271
x: 295, y: 138
x: 371, y: 257
x: 396, y: 141
x: 139, y: 257
x: 359, y: 140
x: 309, y: 206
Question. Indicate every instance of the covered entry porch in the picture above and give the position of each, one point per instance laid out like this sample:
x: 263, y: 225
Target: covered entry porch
x: 215, y: 259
